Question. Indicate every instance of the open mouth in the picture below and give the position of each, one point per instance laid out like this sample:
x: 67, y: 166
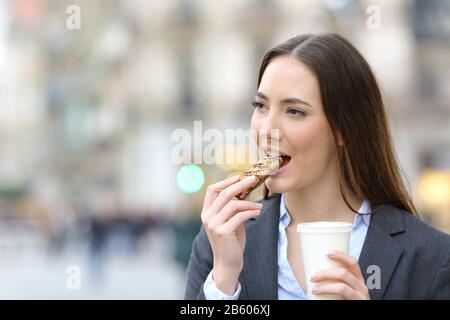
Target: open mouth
x: 285, y: 162
x: 285, y: 159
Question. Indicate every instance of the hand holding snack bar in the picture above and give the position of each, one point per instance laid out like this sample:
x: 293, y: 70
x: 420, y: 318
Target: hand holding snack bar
x: 261, y: 170
x: 223, y: 217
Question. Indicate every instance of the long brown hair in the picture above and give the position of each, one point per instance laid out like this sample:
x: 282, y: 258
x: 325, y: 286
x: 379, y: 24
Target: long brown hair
x: 354, y: 109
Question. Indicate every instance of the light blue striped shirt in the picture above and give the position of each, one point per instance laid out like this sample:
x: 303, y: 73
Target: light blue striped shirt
x: 288, y: 287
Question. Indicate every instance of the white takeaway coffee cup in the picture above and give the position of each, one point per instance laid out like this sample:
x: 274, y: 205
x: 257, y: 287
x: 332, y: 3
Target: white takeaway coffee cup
x: 317, y: 239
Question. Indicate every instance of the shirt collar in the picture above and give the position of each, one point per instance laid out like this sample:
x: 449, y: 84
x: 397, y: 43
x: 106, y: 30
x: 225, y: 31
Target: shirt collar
x: 363, y: 217
x: 365, y: 212
x: 285, y: 218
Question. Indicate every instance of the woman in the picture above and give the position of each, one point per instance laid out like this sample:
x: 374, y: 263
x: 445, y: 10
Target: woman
x: 321, y: 96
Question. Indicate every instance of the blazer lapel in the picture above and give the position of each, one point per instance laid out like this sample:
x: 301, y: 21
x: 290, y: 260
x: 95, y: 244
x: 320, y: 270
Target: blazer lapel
x: 260, y: 255
x: 380, y: 249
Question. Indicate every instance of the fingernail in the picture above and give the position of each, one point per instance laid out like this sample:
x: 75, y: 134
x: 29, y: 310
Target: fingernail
x: 330, y: 253
x: 259, y: 205
x: 314, y: 290
x: 250, y: 178
x: 313, y: 277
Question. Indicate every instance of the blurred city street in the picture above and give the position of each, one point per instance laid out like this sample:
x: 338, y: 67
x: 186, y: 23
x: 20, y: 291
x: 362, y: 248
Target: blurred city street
x: 34, y: 274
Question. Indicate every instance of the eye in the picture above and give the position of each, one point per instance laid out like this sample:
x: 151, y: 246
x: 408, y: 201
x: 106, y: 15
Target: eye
x: 258, y: 105
x: 296, y: 112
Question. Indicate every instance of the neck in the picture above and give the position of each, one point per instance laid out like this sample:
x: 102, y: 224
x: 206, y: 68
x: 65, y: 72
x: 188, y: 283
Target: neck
x: 320, y: 202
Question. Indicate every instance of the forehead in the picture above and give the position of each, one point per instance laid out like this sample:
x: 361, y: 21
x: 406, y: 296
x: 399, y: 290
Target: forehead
x: 286, y: 76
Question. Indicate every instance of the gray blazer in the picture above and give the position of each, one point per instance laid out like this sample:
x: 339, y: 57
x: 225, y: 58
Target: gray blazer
x: 413, y: 258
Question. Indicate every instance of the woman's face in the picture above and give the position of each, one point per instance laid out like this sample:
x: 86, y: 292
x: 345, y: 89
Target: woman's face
x: 288, y: 99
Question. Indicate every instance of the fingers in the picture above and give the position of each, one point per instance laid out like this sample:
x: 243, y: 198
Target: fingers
x: 340, y: 289
x: 213, y: 190
x: 233, y: 207
x: 348, y: 280
x: 238, y: 219
x: 226, y: 228
x: 340, y: 275
x: 228, y: 194
x: 348, y: 261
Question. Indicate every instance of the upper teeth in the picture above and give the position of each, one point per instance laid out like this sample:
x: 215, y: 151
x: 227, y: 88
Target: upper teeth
x: 275, y: 154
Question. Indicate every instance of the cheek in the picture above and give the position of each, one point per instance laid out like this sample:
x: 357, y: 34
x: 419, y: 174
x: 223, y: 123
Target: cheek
x: 305, y: 139
x: 314, y: 139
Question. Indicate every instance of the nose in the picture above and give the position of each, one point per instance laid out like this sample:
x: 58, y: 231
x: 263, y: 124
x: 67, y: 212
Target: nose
x: 270, y: 131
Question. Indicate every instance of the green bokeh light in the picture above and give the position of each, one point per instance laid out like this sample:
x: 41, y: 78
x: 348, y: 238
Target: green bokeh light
x: 190, y: 178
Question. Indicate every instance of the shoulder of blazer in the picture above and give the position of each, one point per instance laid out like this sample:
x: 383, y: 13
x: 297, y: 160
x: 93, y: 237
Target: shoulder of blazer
x: 426, y: 234
x: 413, y: 232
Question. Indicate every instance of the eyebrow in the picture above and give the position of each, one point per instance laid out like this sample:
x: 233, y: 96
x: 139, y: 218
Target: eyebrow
x: 286, y: 100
